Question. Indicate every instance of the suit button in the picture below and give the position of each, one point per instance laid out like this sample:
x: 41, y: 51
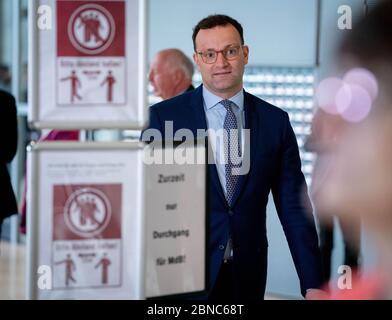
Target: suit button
x: 221, y: 247
x: 231, y: 212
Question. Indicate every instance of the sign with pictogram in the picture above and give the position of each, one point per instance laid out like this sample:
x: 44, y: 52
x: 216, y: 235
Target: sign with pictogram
x: 111, y: 221
x: 85, y: 210
x: 86, y: 236
x: 89, y: 71
x: 91, y: 62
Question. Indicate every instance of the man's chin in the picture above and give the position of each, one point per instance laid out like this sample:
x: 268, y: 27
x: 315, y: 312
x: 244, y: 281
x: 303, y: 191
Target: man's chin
x: 224, y: 85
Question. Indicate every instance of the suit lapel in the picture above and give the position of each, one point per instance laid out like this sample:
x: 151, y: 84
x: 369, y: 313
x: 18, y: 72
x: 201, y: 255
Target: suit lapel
x: 200, y: 122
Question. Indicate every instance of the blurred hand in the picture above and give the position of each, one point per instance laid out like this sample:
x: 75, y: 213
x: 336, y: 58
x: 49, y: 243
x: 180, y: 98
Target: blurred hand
x: 316, y: 294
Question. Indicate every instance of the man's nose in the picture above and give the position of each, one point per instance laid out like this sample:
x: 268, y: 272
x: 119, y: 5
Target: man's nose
x: 221, y: 60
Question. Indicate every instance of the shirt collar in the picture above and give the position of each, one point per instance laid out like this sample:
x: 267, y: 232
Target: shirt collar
x: 211, y: 100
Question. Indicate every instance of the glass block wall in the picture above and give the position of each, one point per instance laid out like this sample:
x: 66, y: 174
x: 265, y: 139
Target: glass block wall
x: 290, y: 89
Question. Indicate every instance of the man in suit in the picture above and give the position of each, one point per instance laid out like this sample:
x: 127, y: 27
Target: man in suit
x: 171, y: 73
x: 237, y: 203
x: 8, y: 146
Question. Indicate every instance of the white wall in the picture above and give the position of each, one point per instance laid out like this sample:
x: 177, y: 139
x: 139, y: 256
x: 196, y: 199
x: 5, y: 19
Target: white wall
x: 278, y: 32
x: 5, y: 32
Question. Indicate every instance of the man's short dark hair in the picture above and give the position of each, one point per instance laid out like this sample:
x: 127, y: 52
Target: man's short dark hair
x: 216, y: 20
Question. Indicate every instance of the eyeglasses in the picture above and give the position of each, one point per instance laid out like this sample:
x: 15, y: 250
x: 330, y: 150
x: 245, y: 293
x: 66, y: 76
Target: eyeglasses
x: 210, y: 56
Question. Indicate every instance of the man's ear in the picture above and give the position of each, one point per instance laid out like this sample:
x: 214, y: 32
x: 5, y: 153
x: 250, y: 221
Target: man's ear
x: 245, y: 49
x: 178, y: 76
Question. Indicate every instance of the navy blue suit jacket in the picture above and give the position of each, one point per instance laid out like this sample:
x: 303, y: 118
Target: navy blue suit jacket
x: 274, y: 165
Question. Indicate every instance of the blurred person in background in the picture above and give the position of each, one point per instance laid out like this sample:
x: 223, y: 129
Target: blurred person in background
x: 8, y: 147
x: 5, y: 78
x: 171, y: 73
x: 326, y: 131
x: 359, y: 181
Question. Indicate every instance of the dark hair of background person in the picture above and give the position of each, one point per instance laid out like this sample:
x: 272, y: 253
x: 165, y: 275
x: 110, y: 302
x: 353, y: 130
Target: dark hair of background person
x: 370, y: 42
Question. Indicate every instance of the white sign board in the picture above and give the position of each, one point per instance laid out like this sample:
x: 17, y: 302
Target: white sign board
x: 85, y: 223
x: 87, y: 64
x: 176, y: 223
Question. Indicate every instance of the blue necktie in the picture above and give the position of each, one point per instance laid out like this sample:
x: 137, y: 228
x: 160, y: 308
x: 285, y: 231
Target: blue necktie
x: 232, y: 150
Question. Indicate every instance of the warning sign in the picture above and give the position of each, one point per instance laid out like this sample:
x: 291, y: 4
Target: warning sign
x: 89, y: 71
x: 86, y: 236
x: 86, y: 221
x: 91, y: 66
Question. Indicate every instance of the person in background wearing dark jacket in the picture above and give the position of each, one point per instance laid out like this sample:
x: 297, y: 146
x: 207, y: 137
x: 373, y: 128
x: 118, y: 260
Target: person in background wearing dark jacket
x: 8, y: 146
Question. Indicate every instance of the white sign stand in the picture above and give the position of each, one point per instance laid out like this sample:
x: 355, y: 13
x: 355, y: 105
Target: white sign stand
x: 85, y: 222
x: 176, y: 223
x: 104, y: 223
